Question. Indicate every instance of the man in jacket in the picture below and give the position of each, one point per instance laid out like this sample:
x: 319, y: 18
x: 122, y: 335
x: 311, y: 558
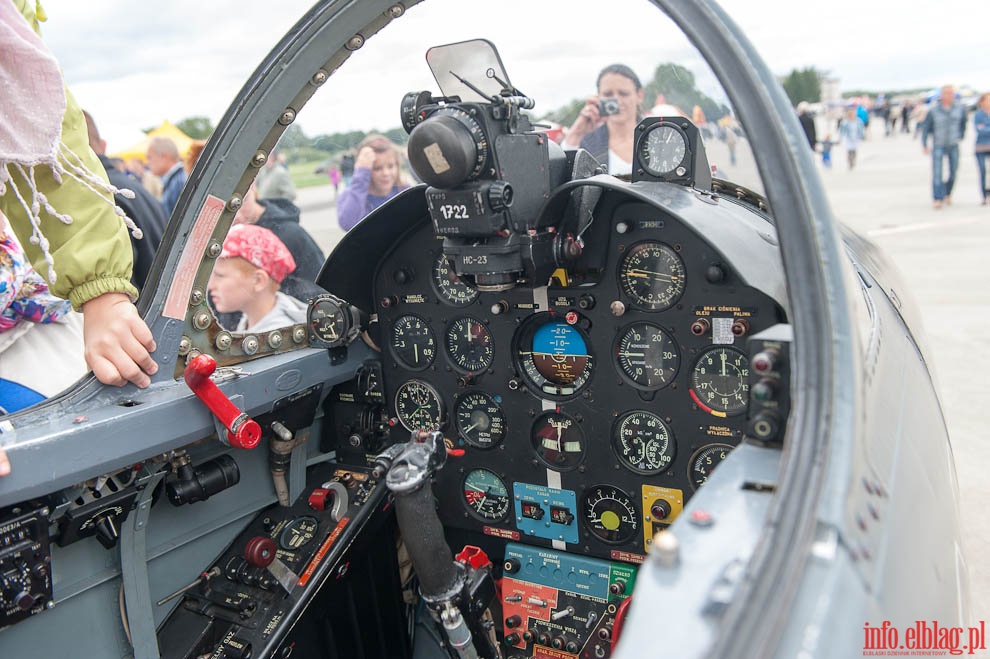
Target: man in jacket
x: 164, y: 161
x: 946, y: 124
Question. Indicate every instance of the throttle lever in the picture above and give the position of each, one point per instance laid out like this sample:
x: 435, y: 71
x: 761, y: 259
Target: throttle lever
x: 261, y: 552
x: 242, y: 430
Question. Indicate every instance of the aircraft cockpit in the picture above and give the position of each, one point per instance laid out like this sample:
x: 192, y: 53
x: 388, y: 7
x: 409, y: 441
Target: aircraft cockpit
x: 496, y: 432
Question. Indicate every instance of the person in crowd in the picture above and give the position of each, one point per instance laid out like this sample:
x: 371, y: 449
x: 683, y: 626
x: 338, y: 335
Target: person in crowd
x: 334, y: 174
x: 247, y: 276
x: 981, y: 123
x: 164, y: 161
x: 946, y: 124
x: 347, y: 168
x: 906, y: 110
x: 273, y: 179
x: 827, y: 151
x: 192, y: 155
x: 144, y: 209
x: 851, y: 132
x: 807, y: 123
x: 138, y: 169
x: 55, y: 192
x: 281, y: 217
x: 377, y: 179
x: 609, y: 138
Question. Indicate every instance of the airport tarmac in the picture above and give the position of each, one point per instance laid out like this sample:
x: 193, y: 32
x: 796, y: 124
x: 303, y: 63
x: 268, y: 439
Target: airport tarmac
x: 944, y: 257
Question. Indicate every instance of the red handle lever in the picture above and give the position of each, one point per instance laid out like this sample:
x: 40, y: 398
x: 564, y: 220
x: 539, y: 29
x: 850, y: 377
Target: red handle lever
x: 242, y: 430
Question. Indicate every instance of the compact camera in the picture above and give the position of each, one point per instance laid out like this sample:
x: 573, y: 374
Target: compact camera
x: 608, y: 106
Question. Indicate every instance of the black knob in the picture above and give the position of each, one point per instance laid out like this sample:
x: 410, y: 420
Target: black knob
x: 511, y: 565
x: 715, y: 274
x: 764, y: 426
x: 512, y: 639
x: 500, y: 196
x: 618, y: 587
x: 543, y: 638
x: 106, y: 530
x: 513, y: 621
x: 572, y: 647
x: 557, y: 643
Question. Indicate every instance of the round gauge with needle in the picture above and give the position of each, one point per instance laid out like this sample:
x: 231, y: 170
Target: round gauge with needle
x: 610, y: 514
x: 720, y: 381
x: 413, y: 343
x: 558, y: 441
x: 469, y: 344
x: 485, y: 495
x: 480, y: 420
x: 664, y: 150
x: 652, y: 274
x: 646, y: 356
x: 418, y: 406
x: 643, y: 442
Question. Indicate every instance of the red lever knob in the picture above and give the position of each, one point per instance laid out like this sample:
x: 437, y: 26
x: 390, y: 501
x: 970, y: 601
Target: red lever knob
x: 242, y: 430
x: 260, y: 551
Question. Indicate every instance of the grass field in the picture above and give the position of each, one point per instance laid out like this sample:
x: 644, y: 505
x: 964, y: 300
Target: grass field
x: 304, y: 176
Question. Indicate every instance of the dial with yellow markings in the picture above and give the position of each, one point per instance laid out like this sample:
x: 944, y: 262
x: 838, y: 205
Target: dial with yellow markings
x: 652, y: 275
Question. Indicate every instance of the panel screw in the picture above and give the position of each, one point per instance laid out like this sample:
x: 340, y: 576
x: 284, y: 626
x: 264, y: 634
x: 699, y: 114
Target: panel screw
x: 287, y: 117
x: 259, y: 158
x: 299, y: 334
x: 196, y: 297
x: 355, y: 42
x: 213, y: 251
x: 394, y: 11
x: 223, y: 340
x: 319, y: 78
x: 184, y: 345
x: 250, y: 345
x: 235, y: 202
x: 275, y: 339
x: 201, y: 320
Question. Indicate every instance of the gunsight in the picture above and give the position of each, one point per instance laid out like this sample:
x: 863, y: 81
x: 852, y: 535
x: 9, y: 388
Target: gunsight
x: 487, y: 169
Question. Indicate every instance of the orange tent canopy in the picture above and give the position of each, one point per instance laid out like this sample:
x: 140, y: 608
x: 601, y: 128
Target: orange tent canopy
x: 166, y: 129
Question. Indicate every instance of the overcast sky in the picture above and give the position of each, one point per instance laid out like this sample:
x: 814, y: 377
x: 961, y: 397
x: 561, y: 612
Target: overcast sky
x: 133, y: 64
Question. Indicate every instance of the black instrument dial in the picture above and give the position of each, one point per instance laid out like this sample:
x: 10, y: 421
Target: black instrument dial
x: 610, y: 514
x: 704, y: 461
x: 652, y: 274
x: 470, y: 344
x: 558, y: 441
x: 486, y: 496
x: 413, y: 342
x: 647, y: 356
x: 449, y: 286
x: 327, y: 321
x: 418, y: 406
x: 298, y: 533
x: 720, y: 381
x: 643, y: 442
x: 554, y: 356
x: 663, y: 150
x: 480, y: 420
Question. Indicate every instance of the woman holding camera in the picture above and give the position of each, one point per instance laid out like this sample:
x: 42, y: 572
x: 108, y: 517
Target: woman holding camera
x: 606, y: 124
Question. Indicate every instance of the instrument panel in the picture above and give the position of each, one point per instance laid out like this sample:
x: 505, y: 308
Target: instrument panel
x: 584, y: 414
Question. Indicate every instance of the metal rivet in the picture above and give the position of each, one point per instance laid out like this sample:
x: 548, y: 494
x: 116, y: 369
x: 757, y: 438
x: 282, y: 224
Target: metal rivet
x: 235, y: 202
x: 250, y: 345
x: 196, y: 297
x: 223, y: 340
x: 275, y: 339
x: 395, y: 11
x: 355, y: 42
x: 213, y: 251
x: 184, y: 345
x: 193, y: 354
x: 319, y: 77
x: 287, y: 117
x: 299, y: 334
x: 202, y: 320
x: 258, y: 159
